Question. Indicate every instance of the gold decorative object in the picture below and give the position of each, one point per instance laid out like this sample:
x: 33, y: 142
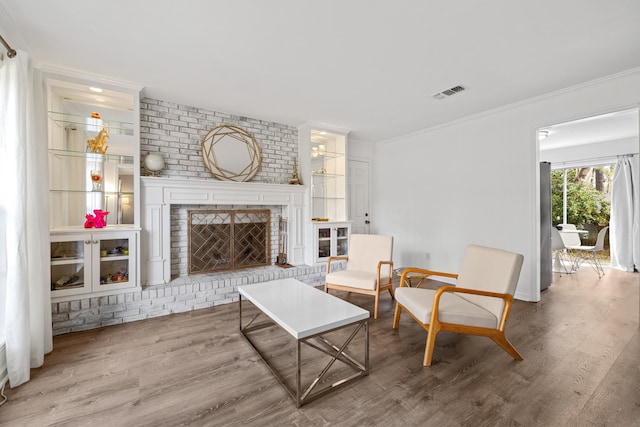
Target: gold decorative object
x: 97, y: 143
x: 295, y: 179
x: 231, y: 153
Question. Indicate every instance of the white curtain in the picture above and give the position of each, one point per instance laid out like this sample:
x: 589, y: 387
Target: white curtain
x: 624, y: 233
x: 25, y: 304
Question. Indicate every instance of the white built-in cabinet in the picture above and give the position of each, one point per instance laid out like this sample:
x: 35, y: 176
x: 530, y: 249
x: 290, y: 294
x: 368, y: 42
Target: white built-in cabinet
x: 87, y: 262
x: 98, y: 262
x: 330, y: 239
x: 323, y: 159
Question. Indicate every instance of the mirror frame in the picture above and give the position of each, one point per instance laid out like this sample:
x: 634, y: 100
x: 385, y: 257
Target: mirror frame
x: 213, y: 160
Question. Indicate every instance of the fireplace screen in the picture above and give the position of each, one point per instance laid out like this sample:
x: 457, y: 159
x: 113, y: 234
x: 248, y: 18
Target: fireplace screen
x: 228, y: 240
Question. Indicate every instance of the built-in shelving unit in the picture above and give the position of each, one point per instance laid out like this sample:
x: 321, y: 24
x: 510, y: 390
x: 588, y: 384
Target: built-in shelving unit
x: 323, y: 159
x: 328, y: 163
x: 94, y: 157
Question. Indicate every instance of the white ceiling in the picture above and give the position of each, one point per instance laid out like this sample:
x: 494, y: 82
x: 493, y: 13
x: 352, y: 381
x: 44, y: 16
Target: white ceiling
x: 609, y: 127
x: 370, y: 66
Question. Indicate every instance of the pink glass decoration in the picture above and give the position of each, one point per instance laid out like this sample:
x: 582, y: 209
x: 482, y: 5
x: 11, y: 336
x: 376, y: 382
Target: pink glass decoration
x: 89, y: 223
x: 100, y: 220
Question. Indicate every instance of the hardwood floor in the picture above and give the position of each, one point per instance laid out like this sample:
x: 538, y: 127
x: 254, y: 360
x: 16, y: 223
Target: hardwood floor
x: 581, y: 348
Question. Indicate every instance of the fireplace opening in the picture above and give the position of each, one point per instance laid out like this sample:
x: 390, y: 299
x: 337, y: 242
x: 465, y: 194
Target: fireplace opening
x: 228, y: 240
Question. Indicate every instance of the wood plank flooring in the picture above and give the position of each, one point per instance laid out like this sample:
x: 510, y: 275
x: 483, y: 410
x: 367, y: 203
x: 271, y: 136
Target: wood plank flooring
x: 581, y: 345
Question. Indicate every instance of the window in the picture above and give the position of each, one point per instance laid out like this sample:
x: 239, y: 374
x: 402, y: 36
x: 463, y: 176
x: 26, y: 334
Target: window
x: 582, y: 196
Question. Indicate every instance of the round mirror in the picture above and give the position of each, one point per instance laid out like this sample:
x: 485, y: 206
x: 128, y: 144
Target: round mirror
x: 231, y: 153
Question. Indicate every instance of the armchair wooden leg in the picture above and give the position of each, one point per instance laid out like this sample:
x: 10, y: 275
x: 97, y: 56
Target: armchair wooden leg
x: 504, y: 343
x: 396, y: 316
x: 391, y: 292
x: 431, y: 343
x: 375, y: 310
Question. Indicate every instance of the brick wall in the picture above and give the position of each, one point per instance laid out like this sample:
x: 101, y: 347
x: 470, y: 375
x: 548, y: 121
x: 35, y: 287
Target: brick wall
x: 176, y: 131
x: 182, y: 294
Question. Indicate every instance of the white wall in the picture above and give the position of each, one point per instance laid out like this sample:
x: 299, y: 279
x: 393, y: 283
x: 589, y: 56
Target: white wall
x: 476, y: 180
x: 360, y: 150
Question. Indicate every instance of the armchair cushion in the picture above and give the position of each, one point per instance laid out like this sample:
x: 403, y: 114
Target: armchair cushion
x: 453, y: 309
x: 355, y: 279
x: 492, y: 270
x: 368, y: 270
x: 365, y: 250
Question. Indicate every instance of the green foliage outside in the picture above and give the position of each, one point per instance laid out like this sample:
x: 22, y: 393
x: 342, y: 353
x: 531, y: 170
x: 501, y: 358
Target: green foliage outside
x: 586, y: 205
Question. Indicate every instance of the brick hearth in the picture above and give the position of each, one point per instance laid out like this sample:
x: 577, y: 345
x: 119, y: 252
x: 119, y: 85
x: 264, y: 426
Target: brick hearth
x: 182, y: 294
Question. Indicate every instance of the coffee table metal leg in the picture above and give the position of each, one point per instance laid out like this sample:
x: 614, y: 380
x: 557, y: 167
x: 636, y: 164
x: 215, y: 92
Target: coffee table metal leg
x: 298, y: 375
x: 340, y: 352
x: 302, y: 397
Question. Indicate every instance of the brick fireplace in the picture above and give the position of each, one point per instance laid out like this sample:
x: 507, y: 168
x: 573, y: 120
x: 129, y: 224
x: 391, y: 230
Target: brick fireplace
x: 163, y: 250
x: 218, y: 238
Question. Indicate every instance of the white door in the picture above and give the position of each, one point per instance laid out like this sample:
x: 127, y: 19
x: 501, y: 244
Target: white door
x: 359, y: 209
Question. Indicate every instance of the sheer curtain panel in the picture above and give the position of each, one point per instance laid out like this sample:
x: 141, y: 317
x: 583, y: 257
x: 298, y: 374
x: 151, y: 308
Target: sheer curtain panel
x: 25, y: 304
x: 624, y: 233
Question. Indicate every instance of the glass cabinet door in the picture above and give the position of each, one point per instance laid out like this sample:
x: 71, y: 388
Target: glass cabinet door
x: 324, y: 242
x: 68, y: 273
x: 114, y: 254
x: 342, y: 241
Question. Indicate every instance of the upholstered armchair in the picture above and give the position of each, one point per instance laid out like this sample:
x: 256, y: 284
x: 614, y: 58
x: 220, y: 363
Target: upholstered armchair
x: 479, y: 304
x: 369, y: 267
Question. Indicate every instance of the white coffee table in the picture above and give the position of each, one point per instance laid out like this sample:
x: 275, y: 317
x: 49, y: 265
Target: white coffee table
x: 306, y: 313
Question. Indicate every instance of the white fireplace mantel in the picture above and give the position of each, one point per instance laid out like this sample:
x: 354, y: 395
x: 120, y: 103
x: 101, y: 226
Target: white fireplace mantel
x: 158, y: 194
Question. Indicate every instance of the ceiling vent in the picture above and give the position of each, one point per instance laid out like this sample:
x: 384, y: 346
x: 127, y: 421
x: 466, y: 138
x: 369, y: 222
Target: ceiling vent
x: 448, y: 92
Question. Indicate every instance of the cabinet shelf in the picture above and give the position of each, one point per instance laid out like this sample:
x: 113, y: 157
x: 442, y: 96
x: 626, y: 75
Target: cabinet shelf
x: 113, y: 258
x: 319, y: 198
x: 66, y: 261
x: 107, y: 158
x: 106, y: 193
x: 328, y: 155
x: 326, y: 175
x: 74, y: 285
x: 91, y: 124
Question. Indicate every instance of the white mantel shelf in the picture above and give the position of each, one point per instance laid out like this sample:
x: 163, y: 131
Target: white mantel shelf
x: 158, y: 194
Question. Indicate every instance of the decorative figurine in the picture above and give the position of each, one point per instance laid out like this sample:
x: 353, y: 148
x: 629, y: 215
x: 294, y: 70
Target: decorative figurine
x: 89, y: 223
x: 96, y: 219
x: 100, y: 222
x: 97, y: 143
x: 96, y: 180
x: 295, y: 179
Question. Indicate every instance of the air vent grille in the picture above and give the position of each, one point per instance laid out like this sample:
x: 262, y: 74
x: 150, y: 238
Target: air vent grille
x: 448, y: 92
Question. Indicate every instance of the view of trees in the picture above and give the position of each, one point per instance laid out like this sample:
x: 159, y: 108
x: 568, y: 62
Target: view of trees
x: 588, y: 196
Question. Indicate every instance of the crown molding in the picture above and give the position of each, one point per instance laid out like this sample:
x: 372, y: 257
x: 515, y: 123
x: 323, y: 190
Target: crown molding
x: 54, y: 70
x: 517, y: 104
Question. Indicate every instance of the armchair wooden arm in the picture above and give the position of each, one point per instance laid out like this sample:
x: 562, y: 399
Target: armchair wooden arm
x: 390, y: 264
x: 425, y: 272
x: 508, y: 300
x: 335, y: 258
